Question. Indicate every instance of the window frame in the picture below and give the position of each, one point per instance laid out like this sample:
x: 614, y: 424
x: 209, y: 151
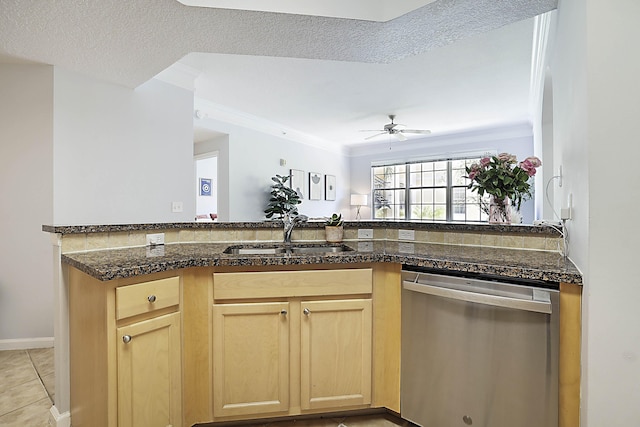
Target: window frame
x: 407, y: 190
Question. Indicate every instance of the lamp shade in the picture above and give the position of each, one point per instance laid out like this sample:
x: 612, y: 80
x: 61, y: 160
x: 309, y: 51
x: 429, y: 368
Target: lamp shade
x: 359, y: 199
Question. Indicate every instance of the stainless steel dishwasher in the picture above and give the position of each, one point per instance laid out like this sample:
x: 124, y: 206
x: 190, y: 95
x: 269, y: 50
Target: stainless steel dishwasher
x: 478, y: 352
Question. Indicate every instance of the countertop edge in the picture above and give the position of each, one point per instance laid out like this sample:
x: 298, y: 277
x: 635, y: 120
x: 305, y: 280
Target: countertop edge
x: 217, y: 260
x: 433, y: 226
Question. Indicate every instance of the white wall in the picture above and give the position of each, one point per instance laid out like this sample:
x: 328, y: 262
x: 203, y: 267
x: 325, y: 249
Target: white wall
x: 596, y: 127
x: 254, y: 157
x: 550, y: 206
x: 516, y: 139
x: 26, y: 203
x: 74, y: 150
x: 570, y: 122
x: 121, y: 155
x: 613, y: 347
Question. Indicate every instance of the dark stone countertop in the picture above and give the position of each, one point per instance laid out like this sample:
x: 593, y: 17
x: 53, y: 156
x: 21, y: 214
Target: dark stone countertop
x: 523, y: 264
x: 479, y: 227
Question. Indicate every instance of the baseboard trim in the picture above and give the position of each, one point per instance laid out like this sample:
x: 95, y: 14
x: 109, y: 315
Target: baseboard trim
x: 26, y: 343
x: 56, y: 419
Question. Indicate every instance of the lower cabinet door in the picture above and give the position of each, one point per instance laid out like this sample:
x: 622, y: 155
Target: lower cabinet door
x: 250, y: 359
x: 149, y: 373
x: 335, y: 353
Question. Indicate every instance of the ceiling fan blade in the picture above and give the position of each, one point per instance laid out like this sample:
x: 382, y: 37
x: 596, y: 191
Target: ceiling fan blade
x: 394, y: 129
x: 423, y: 131
x: 373, y: 136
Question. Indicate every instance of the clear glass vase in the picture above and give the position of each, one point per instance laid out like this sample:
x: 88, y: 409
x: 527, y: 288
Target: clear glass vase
x: 499, y: 211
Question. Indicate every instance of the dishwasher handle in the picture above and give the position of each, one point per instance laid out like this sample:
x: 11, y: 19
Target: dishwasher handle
x: 480, y: 298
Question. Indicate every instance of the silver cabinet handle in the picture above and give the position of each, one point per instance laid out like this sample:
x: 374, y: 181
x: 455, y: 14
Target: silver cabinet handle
x: 306, y: 311
x: 126, y: 339
x: 151, y: 298
x: 283, y: 312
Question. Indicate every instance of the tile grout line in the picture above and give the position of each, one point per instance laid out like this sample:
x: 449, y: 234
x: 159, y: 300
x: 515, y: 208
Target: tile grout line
x: 21, y: 407
x: 39, y: 377
x: 18, y: 385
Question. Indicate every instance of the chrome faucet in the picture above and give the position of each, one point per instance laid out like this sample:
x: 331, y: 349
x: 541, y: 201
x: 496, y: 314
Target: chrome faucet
x: 290, y: 220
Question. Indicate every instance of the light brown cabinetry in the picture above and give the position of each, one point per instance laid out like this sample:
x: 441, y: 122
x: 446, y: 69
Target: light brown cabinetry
x: 148, y: 360
x: 171, y: 366
x: 335, y: 354
x: 125, y: 351
x: 250, y: 358
x: 304, y: 345
x: 149, y: 373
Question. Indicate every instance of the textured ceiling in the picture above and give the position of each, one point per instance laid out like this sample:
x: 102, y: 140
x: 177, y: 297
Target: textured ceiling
x: 128, y: 42
x: 370, y: 10
x: 370, y: 68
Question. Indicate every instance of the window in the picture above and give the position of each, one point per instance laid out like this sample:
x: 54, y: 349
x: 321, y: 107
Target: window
x: 426, y: 191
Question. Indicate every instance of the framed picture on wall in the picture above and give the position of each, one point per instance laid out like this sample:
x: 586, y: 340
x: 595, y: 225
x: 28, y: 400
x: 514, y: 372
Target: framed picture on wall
x: 329, y: 187
x: 315, y: 186
x: 205, y: 186
x: 296, y: 182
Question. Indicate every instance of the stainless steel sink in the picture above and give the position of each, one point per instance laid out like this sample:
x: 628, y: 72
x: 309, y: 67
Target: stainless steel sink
x: 281, y: 250
x: 319, y: 249
x: 253, y: 251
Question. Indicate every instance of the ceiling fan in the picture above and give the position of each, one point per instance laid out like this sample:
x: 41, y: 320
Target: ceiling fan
x: 391, y: 129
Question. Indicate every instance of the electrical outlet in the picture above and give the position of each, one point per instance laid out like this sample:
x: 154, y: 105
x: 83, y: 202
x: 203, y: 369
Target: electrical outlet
x: 406, y: 235
x: 176, y: 207
x: 365, y: 233
x: 407, y: 248
x: 155, y: 239
x: 565, y: 213
x: 154, y: 251
x: 365, y: 246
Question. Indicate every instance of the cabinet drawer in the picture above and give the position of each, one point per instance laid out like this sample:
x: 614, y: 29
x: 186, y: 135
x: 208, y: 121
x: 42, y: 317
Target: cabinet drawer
x: 147, y: 297
x: 289, y: 284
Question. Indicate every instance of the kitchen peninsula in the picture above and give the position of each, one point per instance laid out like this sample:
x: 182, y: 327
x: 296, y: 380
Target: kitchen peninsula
x: 192, y: 292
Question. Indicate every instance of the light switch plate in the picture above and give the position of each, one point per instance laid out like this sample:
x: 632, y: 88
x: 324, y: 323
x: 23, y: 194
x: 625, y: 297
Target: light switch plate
x: 406, y: 235
x: 365, y: 233
x: 176, y: 207
x: 155, y: 239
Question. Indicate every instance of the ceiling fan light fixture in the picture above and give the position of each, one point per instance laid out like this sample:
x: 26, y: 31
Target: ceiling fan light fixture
x: 390, y: 129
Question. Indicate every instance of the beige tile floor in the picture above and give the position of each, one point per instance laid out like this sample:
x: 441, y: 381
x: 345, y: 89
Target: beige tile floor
x: 26, y: 387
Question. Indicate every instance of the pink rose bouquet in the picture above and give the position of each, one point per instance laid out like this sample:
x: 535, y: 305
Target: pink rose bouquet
x: 503, y: 177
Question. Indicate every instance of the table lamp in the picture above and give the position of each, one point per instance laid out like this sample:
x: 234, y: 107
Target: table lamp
x: 358, y: 200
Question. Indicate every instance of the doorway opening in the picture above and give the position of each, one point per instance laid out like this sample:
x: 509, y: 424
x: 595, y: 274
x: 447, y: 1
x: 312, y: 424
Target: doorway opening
x: 207, y: 187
